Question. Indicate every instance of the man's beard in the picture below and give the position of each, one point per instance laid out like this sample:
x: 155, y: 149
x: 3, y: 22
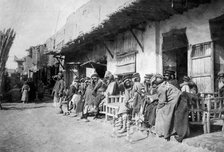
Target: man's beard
x: 127, y: 85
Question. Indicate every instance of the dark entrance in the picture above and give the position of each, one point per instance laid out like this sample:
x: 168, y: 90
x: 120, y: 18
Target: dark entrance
x: 174, y: 47
x: 217, y: 35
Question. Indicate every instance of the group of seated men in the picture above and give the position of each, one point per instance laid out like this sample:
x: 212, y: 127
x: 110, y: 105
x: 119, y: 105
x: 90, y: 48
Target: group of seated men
x: 160, y: 100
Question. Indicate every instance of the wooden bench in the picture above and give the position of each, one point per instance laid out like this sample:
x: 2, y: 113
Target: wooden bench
x: 214, y: 113
x: 111, y: 105
x: 196, y: 111
x: 208, y: 110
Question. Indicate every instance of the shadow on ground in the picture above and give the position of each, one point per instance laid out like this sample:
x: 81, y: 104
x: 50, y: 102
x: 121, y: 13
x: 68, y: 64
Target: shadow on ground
x: 21, y: 108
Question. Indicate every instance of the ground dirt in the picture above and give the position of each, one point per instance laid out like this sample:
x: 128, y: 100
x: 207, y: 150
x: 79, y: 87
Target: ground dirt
x: 37, y: 128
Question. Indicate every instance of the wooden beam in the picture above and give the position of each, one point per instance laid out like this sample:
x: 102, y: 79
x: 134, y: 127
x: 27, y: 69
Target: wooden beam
x: 60, y: 63
x: 108, y: 50
x: 136, y: 38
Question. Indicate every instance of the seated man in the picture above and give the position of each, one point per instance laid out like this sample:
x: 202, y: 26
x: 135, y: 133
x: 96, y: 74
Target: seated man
x: 150, y: 102
x: 74, y: 95
x: 92, y: 90
x: 221, y: 84
x: 172, y: 110
x: 169, y: 76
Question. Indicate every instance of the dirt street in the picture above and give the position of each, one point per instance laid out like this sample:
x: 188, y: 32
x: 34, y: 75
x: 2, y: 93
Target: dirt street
x: 37, y: 128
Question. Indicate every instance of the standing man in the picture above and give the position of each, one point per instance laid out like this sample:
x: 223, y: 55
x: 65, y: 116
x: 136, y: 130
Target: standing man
x: 58, y: 91
x: 61, y: 91
x: 125, y: 110
x: 172, y: 110
x: 150, y: 103
x: 1, y: 101
x: 137, y: 87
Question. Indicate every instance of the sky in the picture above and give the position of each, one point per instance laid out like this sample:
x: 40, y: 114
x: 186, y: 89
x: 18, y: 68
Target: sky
x: 34, y: 22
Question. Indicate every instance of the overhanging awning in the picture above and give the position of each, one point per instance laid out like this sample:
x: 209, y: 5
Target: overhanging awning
x: 130, y: 17
x: 92, y: 64
x: 52, y: 53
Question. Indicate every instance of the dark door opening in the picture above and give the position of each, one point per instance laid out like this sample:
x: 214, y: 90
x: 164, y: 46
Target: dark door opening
x: 217, y: 35
x: 175, y: 46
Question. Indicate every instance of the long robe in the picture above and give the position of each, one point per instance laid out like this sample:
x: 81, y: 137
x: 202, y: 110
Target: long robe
x: 168, y: 96
x: 151, y: 102
x: 25, y: 90
x: 138, y: 99
x: 181, y: 122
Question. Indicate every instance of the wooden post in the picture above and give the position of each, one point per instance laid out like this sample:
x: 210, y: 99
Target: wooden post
x: 208, y: 113
x: 136, y: 38
x: 108, y: 50
x: 212, y: 67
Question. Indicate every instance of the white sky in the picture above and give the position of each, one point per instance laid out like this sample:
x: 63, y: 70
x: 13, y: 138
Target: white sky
x: 34, y: 21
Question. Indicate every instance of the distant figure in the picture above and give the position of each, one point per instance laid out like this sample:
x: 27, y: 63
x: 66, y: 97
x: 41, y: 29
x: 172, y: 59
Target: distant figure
x: 74, y: 97
x: 32, y: 92
x: 40, y: 90
x: 1, y: 102
x: 25, y: 93
x: 58, y: 92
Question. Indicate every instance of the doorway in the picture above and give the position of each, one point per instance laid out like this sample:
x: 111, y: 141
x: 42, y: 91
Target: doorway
x: 175, y: 46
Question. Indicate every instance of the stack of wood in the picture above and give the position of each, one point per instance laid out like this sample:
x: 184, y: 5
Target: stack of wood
x: 6, y: 41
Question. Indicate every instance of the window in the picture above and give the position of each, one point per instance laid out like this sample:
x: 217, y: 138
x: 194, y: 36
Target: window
x: 202, y: 49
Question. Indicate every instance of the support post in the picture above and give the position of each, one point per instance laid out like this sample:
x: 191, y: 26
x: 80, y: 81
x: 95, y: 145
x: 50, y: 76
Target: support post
x: 108, y: 50
x: 139, y: 43
x: 60, y: 63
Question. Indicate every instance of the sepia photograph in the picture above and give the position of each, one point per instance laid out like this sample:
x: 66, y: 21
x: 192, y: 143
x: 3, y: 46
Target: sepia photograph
x: 111, y: 75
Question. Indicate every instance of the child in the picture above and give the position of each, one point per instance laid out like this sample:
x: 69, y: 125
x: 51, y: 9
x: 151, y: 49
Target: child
x: 25, y: 90
x: 184, y: 86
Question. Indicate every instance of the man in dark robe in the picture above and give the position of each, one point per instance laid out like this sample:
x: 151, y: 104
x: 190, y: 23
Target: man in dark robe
x: 169, y: 76
x: 172, y: 110
x: 150, y: 102
x: 32, y: 92
x: 91, y: 93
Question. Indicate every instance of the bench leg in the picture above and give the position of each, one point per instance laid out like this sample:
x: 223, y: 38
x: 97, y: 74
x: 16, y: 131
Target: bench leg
x: 223, y: 126
x: 204, y: 122
x: 208, y: 123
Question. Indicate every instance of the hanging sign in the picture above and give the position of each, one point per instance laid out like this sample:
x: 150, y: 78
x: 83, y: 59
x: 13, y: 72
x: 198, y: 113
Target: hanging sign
x: 126, y: 62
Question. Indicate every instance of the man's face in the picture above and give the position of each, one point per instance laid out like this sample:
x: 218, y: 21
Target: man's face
x: 107, y: 80
x: 127, y: 83
x: 167, y: 77
x: 136, y: 79
x: 147, y: 81
x: 94, y: 79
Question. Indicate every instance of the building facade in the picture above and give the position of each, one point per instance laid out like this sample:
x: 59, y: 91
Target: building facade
x: 185, y: 37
